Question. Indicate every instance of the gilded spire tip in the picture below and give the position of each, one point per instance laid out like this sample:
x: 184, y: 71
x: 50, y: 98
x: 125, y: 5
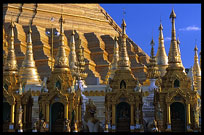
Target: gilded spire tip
x: 173, y: 14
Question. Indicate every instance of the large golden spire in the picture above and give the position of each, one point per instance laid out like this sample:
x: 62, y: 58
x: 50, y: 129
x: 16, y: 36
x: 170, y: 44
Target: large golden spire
x: 61, y: 61
x: 161, y: 57
x: 11, y: 63
x: 123, y: 62
x: 72, y: 60
x: 28, y: 71
x: 174, y: 58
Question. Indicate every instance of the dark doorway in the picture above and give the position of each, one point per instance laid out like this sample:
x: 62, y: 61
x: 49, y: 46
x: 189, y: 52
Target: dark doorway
x: 123, y: 117
x: 57, y: 117
x: 178, y: 117
x: 6, y: 116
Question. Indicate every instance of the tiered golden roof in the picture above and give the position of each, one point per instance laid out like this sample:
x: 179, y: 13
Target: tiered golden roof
x: 94, y: 25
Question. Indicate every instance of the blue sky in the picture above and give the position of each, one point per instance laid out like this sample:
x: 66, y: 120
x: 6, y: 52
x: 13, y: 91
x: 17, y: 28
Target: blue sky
x: 143, y: 20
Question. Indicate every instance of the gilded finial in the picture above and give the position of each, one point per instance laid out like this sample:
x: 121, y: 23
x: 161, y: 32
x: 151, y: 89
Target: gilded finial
x: 29, y: 40
x: 160, y: 26
x: 173, y: 14
x: 61, y: 21
x: 195, y: 49
x: 123, y: 25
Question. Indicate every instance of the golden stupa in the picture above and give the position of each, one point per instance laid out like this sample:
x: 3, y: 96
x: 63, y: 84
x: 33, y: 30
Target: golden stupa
x: 28, y: 71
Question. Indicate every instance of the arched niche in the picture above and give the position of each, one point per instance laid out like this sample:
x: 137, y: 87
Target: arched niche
x: 176, y: 83
x: 122, y: 84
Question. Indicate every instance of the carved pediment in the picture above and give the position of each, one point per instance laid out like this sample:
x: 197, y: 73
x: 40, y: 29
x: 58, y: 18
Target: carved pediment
x: 176, y: 94
x: 57, y: 96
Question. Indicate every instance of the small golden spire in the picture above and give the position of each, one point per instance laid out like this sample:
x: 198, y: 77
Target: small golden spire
x: 61, y: 57
x: 161, y: 56
x: 153, y: 71
x: 152, y: 50
x: 196, y: 70
x: 114, y: 63
x: 80, y: 64
x: 72, y: 54
x: 196, y: 66
x: 11, y: 63
x: 28, y: 71
x: 123, y: 62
